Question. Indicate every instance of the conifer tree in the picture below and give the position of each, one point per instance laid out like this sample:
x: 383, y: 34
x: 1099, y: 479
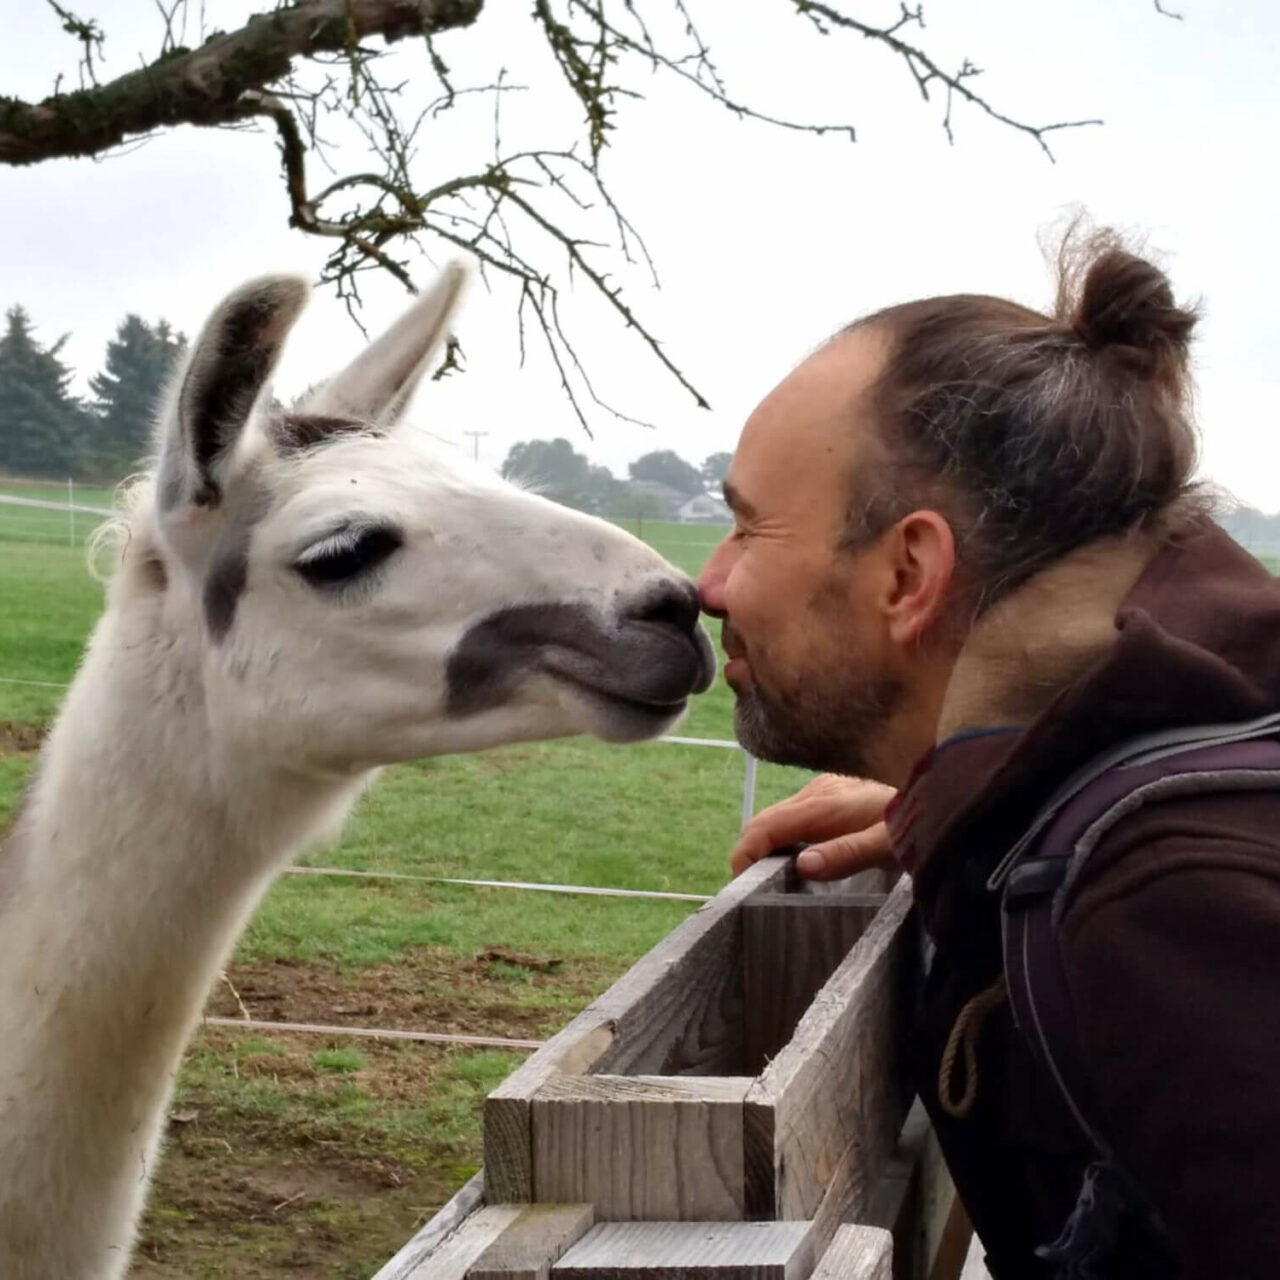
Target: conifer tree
x: 125, y: 394
x: 42, y: 425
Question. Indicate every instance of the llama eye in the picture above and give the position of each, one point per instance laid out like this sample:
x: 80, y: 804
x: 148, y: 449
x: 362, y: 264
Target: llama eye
x: 347, y: 554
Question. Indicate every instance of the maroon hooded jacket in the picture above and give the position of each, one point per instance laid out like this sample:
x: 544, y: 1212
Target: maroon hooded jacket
x: 1171, y: 937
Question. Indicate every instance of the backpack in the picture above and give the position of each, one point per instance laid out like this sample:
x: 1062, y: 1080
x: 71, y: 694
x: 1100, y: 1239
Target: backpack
x: 1035, y: 879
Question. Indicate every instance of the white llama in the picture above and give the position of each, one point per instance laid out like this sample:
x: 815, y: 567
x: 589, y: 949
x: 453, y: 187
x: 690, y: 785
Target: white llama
x: 300, y: 598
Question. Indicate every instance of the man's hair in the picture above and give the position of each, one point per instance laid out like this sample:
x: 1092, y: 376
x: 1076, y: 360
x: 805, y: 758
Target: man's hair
x: 1033, y: 433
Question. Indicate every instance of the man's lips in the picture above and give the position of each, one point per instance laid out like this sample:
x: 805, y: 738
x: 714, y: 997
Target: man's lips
x: 737, y: 670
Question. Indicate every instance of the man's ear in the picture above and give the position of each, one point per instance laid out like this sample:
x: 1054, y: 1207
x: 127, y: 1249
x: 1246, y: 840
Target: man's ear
x: 229, y: 364
x: 922, y: 559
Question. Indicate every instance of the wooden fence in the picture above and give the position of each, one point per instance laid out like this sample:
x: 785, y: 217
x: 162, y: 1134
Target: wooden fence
x: 730, y: 1108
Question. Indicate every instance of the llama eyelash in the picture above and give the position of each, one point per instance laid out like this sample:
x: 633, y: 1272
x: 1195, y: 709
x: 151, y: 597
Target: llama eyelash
x: 347, y: 554
x: 336, y: 543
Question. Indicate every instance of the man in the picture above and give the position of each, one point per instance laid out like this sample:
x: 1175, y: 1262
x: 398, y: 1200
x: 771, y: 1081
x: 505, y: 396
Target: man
x: 968, y: 556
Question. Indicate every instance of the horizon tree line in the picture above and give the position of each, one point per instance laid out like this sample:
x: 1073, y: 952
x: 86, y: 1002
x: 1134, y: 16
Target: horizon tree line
x: 48, y: 431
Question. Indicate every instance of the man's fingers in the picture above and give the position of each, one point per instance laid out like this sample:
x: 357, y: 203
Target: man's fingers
x: 846, y: 855
x: 781, y: 824
x: 822, y: 811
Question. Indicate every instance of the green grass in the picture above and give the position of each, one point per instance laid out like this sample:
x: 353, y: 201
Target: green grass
x: 338, y: 1061
x: 38, y: 524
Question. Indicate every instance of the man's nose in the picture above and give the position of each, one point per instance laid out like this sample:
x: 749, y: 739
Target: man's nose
x: 711, y: 581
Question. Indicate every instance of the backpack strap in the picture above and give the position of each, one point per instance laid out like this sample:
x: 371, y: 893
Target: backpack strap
x: 1035, y: 880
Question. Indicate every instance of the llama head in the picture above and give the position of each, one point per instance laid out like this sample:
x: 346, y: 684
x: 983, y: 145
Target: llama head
x: 355, y: 594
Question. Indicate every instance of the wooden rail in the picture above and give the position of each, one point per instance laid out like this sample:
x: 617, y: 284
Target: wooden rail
x: 730, y: 1108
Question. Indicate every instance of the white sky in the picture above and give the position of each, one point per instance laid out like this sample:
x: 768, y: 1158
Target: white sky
x: 765, y: 241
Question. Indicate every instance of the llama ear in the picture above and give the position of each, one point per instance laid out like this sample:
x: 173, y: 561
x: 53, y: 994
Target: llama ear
x: 377, y: 384
x: 224, y: 375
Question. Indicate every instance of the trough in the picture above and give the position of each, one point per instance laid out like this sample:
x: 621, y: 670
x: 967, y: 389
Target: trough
x: 731, y: 1107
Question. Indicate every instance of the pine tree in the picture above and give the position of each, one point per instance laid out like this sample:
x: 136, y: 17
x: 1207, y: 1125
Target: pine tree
x: 42, y: 425
x: 125, y: 394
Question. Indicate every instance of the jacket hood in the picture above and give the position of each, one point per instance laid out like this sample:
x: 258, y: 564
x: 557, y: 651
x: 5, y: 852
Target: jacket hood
x: 1119, y: 638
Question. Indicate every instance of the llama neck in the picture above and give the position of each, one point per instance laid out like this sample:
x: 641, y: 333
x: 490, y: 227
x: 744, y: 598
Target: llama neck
x: 138, y: 857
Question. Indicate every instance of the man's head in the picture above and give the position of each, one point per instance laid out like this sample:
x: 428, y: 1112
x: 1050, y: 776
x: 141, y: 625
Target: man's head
x: 920, y: 465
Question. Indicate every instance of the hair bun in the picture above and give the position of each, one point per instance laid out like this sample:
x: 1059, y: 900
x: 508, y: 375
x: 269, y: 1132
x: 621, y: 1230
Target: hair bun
x: 1125, y: 303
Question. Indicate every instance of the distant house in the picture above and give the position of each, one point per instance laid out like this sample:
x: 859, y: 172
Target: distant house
x: 704, y: 508
x: 652, y: 498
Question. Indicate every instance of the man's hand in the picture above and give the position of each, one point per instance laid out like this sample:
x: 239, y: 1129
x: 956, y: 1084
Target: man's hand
x: 842, y: 819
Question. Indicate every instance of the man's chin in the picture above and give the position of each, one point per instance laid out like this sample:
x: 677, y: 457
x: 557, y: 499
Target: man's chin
x: 758, y: 732
x: 804, y: 741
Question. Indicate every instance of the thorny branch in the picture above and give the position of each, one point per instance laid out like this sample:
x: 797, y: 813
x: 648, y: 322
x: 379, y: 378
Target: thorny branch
x: 542, y: 217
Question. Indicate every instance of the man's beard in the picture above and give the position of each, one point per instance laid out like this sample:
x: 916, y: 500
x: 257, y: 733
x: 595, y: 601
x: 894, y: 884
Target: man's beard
x: 831, y: 725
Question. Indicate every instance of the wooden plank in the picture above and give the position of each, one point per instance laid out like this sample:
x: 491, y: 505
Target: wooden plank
x: 642, y: 1009
x: 690, y: 1251
x: 791, y: 944
x: 453, y: 1254
x: 947, y: 1238
x: 916, y: 1200
x: 468, y: 1200
x: 536, y: 1239
x: 832, y: 1084
x: 642, y: 1147
x: 857, y: 1253
x: 975, y: 1263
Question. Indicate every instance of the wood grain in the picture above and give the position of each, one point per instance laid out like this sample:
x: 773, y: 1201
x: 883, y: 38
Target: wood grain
x: 536, y: 1239
x: 469, y: 1199
x: 450, y: 1255
x: 916, y: 1200
x: 791, y: 944
x: 642, y: 1147
x: 638, y: 1017
x: 690, y: 1251
x: 832, y: 1084
x: 857, y: 1253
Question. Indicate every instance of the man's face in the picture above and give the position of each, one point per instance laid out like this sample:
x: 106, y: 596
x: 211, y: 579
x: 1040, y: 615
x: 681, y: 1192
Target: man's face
x: 808, y: 655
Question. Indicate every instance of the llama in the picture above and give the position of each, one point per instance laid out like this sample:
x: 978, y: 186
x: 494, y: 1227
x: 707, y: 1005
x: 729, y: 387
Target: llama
x: 300, y: 598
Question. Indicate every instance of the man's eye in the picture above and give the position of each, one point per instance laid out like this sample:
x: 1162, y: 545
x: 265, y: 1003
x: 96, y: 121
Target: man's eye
x: 344, y: 556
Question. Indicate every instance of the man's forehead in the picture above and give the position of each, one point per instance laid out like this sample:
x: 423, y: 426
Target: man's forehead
x: 812, y: 420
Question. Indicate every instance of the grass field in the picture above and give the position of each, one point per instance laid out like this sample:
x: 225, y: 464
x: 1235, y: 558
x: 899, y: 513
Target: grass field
x: 301, y: 1155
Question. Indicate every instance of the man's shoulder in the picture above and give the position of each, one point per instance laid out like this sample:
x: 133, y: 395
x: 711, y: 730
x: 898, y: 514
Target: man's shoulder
x: 1212, y: 853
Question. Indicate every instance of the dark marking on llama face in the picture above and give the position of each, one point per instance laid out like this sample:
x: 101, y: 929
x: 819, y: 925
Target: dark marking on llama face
x: 298, y: 432
x: 228, y: 573
x: 223, y: 588
x: 650, y: 656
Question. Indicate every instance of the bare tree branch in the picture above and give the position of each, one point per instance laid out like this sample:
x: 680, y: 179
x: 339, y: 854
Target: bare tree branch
x: 542, y: 217
x: 925, y: 71
x: 203, y: 86
x: 88, y: 32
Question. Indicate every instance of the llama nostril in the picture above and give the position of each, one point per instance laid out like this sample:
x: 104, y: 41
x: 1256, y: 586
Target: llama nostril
x: 671, y: 604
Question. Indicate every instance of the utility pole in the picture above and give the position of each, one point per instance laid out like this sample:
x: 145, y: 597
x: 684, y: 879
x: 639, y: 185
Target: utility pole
x: 475, y: 442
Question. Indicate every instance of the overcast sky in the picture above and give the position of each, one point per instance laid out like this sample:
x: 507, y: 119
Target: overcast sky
x: 765, y: 241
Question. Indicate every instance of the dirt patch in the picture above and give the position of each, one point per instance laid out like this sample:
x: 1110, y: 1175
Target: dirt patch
x: 292, y: 1155
x: 426, y: 990
x: 18, y: 739
x: 264, y: 1217
x: 275, y: 1167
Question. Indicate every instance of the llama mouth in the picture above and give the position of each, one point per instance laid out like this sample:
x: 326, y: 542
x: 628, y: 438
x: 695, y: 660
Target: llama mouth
x: 640, y: 672
x: 618, y: 718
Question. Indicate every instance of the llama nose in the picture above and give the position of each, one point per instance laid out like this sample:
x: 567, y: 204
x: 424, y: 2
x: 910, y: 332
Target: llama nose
x: 672, y: 603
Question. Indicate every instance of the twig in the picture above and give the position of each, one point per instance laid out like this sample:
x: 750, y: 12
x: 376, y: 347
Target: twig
x: 244, y: 1012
